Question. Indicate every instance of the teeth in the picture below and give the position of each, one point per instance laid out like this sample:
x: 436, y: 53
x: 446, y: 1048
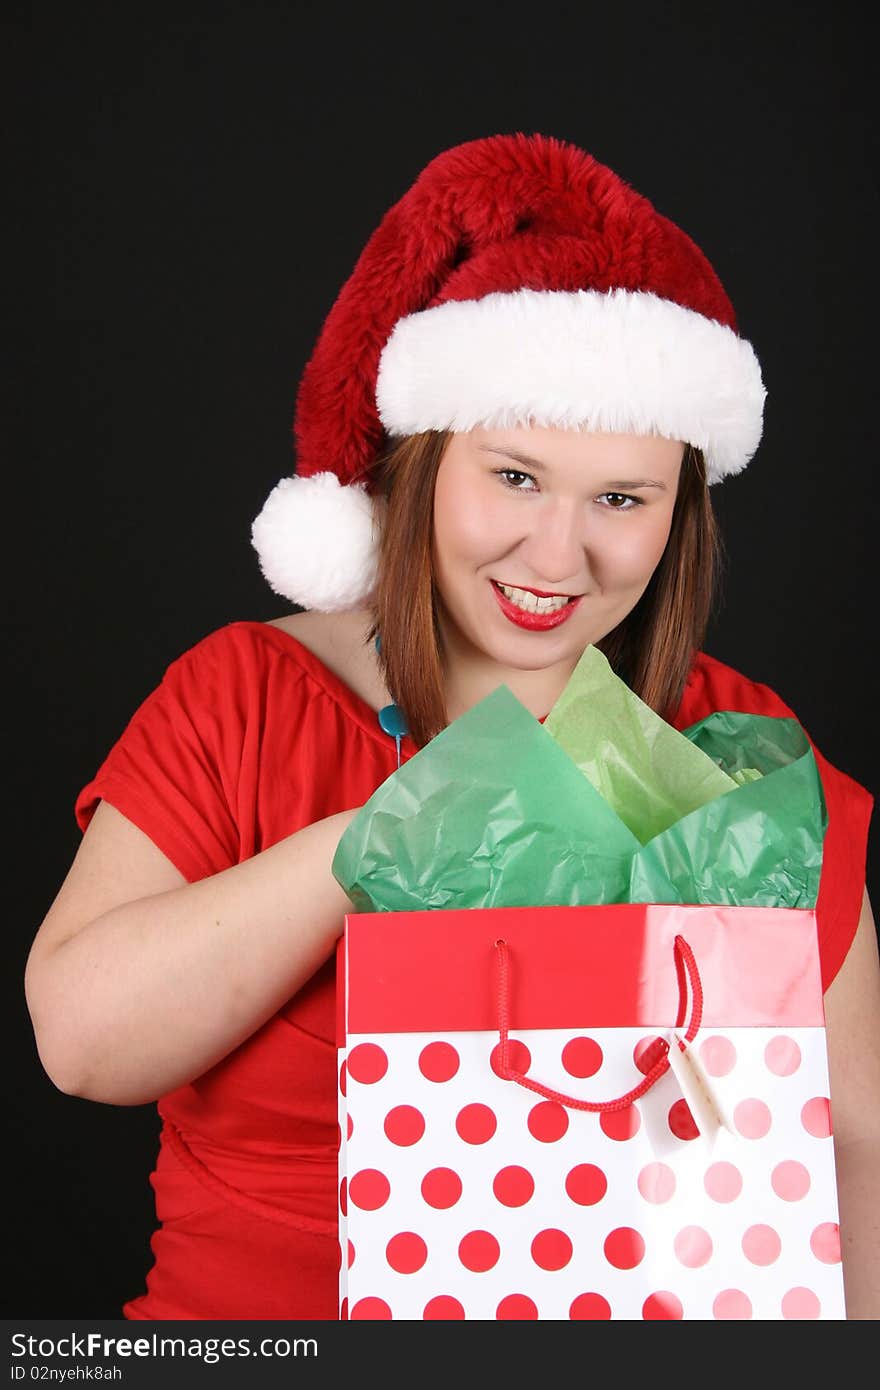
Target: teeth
x: 530, y: 603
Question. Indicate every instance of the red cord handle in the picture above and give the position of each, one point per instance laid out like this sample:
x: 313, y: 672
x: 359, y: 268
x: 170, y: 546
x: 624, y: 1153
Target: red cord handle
x: 685, y: 969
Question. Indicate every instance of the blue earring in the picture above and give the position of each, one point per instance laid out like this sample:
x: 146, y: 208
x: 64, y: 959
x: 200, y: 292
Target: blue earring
x: 392, y: 720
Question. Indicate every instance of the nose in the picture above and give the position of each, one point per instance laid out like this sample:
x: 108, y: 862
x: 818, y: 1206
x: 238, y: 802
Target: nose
x: 554, y: 548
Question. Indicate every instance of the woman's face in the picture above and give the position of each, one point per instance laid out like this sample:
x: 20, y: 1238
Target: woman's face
x: 523, y: 517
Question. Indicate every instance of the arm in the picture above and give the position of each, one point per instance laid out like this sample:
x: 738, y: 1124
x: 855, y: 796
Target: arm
x: 138, y: 981
x: 852, y: 1017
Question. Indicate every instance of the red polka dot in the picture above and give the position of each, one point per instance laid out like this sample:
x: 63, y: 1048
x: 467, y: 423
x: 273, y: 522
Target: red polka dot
x: 548, y: 1121
x: 443, y: 1308
x: 752, y: 1118
x: 648, y: 1052
x: 761, y: 1245
x: 371, y: 1309
x: 816, y: 1117
x: 800, y: 1305
x: 551, y: 1249
x: 350, y: 1254
x: 516, y: 1307
x: 825, y: 1243
x: 343, y: 1311
x: 717, y: 1055
x: 790, y: 1181
x: 586, y: 1184
x: 441, y: 1188
x: 624, y: 1248
x: 367, y: 1063
x: 723, y: 1182
x: 582, y: 1057
x: 476, y: 1123
x: 369, y: 1189
x: 350, y: 1127
x: 518, y: 1057
x: 513, y: 1186
x: 406, y: 1252
x: 782, y: 1056
x: 438, y: 1061
x: 732, y: 1305
x: 693, y: 1247
x: 343, y: 1078
x: 681, y: 1121
x: 656, y: 1182
x: 589, y: 1307
x: 621, y: 1124
x: 404, y: 1125
x: 662, y: 1307
x: 343, y: 1196
x: 478, y: 1251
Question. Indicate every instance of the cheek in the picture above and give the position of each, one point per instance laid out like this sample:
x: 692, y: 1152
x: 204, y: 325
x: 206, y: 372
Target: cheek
x: 467, y: 526
x: 631, y: 556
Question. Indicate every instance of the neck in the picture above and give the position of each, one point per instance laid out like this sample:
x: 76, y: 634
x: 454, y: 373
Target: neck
x: 470, y: 676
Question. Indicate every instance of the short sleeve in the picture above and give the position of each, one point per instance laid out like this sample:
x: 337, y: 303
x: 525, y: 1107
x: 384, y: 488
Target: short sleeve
x: 173, y: 770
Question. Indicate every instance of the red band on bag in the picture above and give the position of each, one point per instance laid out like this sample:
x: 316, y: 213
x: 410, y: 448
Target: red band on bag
x: 435, y: 971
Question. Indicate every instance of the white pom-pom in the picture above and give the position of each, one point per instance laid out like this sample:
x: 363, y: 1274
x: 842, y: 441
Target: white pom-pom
x: 317, y: 542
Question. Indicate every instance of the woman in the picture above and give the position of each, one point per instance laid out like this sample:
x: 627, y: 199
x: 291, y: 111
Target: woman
x: 505, y: 438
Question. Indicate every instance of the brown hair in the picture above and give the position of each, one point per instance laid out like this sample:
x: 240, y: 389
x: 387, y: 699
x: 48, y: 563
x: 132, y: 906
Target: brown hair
x: 652, y: 648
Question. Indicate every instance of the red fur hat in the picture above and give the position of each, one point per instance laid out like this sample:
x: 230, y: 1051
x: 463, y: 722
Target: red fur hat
x: 517, y: 282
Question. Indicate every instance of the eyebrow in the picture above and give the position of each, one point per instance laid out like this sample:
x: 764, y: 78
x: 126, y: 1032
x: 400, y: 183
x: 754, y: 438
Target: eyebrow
x: 538, y: 467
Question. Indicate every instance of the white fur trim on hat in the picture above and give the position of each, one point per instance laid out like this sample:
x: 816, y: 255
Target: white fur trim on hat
x: 620, y: 362
x: 316, y: 542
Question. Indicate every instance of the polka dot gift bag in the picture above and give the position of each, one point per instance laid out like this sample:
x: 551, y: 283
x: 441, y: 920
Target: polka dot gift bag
x: 561, y: 1106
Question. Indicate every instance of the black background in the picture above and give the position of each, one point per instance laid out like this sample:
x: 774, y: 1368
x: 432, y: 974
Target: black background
x: 186, y: 191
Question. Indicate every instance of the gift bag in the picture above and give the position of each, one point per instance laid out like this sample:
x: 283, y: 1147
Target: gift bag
x: 585, y: 1113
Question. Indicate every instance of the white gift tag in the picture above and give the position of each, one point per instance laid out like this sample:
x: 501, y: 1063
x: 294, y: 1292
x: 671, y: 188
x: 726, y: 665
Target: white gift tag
x: 696, y: 1087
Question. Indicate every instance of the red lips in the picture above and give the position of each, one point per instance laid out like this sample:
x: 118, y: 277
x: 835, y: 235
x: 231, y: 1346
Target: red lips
x: 534, y: 622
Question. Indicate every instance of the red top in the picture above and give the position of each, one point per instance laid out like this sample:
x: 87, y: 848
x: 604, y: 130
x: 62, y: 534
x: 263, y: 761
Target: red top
x: 248, y: 738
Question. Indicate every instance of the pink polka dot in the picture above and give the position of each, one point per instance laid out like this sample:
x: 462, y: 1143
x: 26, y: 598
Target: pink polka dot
x: 350, y: 1254
x: 441, y: 1188
x: 586, y: 1184
x: 681, y: 1121
x: 548, y: 1121
x: 656, y: 1182
x: 800, y: 1305
x: 693, y: 1247
x: 404, y: 1125
x: 516, y: 1307
x: 717, y: 1055
x: 367, y: 1063
x: 790, y: 1181
x: 478, y: 1251
x: 816, y: 1117
x: 518, y: 1057
x: 648, y: 1052
x: 582, y: 1057
x: 350, y: 1126
x: 476, y: 1123
x: 782, y: 1056
x: 370, y: 1309
x: 825, y: 1243
x: 513, y: 1186
x: 662, y: 1307
x: 369, y: 1189
x: 752, y: 1119
x: 343, y: 1078
x: 551, y: 1249
x: 443, y: 1308
x: 406, y: 1252
x: 438, y: 1061
x: 343, y: 1196
x: 589, y: 1307
x: 732, y: 1305
x: 723, y: 1182
x: 624, y: 1248
x: 621, y: 1124
x: 761, y: 1245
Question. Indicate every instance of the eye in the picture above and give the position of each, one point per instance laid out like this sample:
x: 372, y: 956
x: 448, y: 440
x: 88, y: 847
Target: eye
x: 621, y: 501
x: 517, y: 480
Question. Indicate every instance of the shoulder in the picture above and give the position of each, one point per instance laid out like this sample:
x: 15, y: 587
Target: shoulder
x: 712, y: 685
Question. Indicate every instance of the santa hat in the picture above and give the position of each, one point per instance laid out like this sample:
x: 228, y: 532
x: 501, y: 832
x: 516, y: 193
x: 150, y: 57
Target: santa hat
x: 517, y: 282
